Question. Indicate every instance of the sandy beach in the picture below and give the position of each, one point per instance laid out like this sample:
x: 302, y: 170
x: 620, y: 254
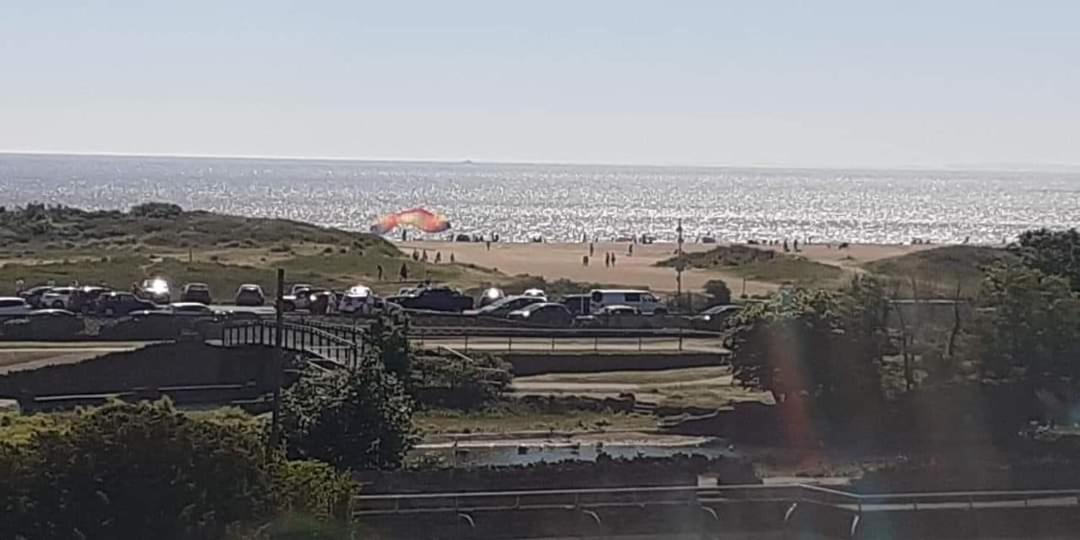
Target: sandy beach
x: 564, y: 260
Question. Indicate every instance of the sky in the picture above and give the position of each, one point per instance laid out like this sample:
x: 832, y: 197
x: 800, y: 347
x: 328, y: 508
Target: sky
x: 823, y: 83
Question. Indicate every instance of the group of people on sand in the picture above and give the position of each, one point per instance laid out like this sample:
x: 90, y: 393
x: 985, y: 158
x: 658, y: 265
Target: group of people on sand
x: 609, y: 257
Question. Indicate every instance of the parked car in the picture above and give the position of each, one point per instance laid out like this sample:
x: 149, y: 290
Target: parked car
x: 616, y: 309
x: 505, y: 306
x: 33, y: 295
x: 358, y: 300
x: 250, y: 295
x: 643, y: 300
x: 578, y: 304
x: 196, y: 292
x: 155, y: 290
x: 714, y: 318
x: 544, y: 314
x: 435, y: 299
x: 11, y: 305
x: 535, y: 292
x: 121, y: 303
x: 57, y: 297
x: 84, y: 299
x: 299, y: 297
x: 491, y: 295
x: 192, y: 309
x: 321, y: 300
x: 61, y: 313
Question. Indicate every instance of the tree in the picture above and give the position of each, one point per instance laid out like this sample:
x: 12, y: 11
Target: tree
x: 1052, y: 253
x: 824, y: 346
x: 352, y: 419
x: 1028, y: 325
x: 718, y: 292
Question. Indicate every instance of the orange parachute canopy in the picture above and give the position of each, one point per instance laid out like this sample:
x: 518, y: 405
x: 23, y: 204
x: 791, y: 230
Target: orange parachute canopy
x: 418, y: 218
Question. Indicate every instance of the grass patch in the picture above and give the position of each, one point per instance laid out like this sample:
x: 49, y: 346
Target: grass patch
x: 512, y: 417
x: 938, y: 271
x: 668, y: 376
x: 764, y: 265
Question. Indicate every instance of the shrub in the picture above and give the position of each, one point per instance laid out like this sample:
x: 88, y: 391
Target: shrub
x: 358, y: 419
x: 133, y: 471
x: 156, y: 210
x: 718, y: 292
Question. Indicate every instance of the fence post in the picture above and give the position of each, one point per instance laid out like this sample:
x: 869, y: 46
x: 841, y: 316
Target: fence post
x: 680, y: 339
x: 466, y: 343
x: 596, y: 343
x: 639, y: 343
x: 509, y: 343
x: 552, y: 343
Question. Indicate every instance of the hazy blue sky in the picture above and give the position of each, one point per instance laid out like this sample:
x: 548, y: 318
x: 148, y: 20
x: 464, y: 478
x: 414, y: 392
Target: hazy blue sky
x: 814, y: 83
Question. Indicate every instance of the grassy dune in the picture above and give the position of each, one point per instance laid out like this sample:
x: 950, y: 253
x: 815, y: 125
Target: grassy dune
x: 120, y: 248
x: 765, y: 265
x: 937, y: 272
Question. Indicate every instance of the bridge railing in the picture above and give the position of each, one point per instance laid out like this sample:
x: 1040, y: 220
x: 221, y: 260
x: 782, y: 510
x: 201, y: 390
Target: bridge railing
x: 299, y: 337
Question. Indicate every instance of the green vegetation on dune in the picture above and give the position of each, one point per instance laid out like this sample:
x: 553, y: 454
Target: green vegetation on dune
x: 65, y: 245
x: 938, y: 271
x: 763, y: 265
x: 51, y: 228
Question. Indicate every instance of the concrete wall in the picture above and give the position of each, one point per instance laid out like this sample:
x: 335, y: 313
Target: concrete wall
x: 535, y: 363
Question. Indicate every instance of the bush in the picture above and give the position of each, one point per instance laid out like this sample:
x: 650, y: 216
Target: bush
x: 156, y: 210
x: 313, y: 488
x: 357, y: 420
x: 133, y: 471
x: 460, y: 383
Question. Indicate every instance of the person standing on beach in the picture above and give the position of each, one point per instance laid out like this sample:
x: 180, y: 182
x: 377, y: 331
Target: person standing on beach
x: 630, y: 250
x: 487, y: 245
x: 612, y: 259
x: 607, y: 260
x: 379, y: 271
x: 438, y: 257
x: 590, y: 249
x: 584, y: 260
x: 404, y: 272
x: 451, y: 258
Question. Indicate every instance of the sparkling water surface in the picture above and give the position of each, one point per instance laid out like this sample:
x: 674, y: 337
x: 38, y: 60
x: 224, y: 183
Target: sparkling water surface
x: 563, y: 202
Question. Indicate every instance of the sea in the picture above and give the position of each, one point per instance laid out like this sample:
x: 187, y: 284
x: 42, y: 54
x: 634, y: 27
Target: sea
x: 523, y: 202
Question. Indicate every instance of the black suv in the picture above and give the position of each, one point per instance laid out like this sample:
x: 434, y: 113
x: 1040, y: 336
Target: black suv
x: 121, y: 303
x: 434, y: 299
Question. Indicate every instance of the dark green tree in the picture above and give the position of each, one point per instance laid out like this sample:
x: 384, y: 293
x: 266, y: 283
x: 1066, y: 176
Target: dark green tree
x: 353, y: 419
x: 1054, y: 253
x: 821, y: 346
x: 1027, y: 325
x: 718, y: 292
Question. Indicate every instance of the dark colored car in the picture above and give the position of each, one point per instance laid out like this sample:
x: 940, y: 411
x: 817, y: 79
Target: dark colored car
x: 502, y: 307
x: 84, y: 299
x: 250, y: 295
x: 434, y: 299
x: 196, y: 292
x: 544, y: 314
x: 121, y: 303
x: 33, y: 295
x: 715, y: 318
x: 578, y: 304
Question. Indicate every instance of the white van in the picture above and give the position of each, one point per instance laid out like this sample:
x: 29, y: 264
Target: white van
x: 644, y: 301
x: 13, y: 306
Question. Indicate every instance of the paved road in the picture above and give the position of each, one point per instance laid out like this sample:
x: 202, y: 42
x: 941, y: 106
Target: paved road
x: 23, y: 355
x: 576, y: 344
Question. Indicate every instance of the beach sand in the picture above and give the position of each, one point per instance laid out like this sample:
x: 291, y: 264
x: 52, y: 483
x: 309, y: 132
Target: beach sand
x: 563, y: 260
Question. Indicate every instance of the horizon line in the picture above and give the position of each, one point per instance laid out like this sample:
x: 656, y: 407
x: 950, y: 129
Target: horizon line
x: 1035, y: 167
